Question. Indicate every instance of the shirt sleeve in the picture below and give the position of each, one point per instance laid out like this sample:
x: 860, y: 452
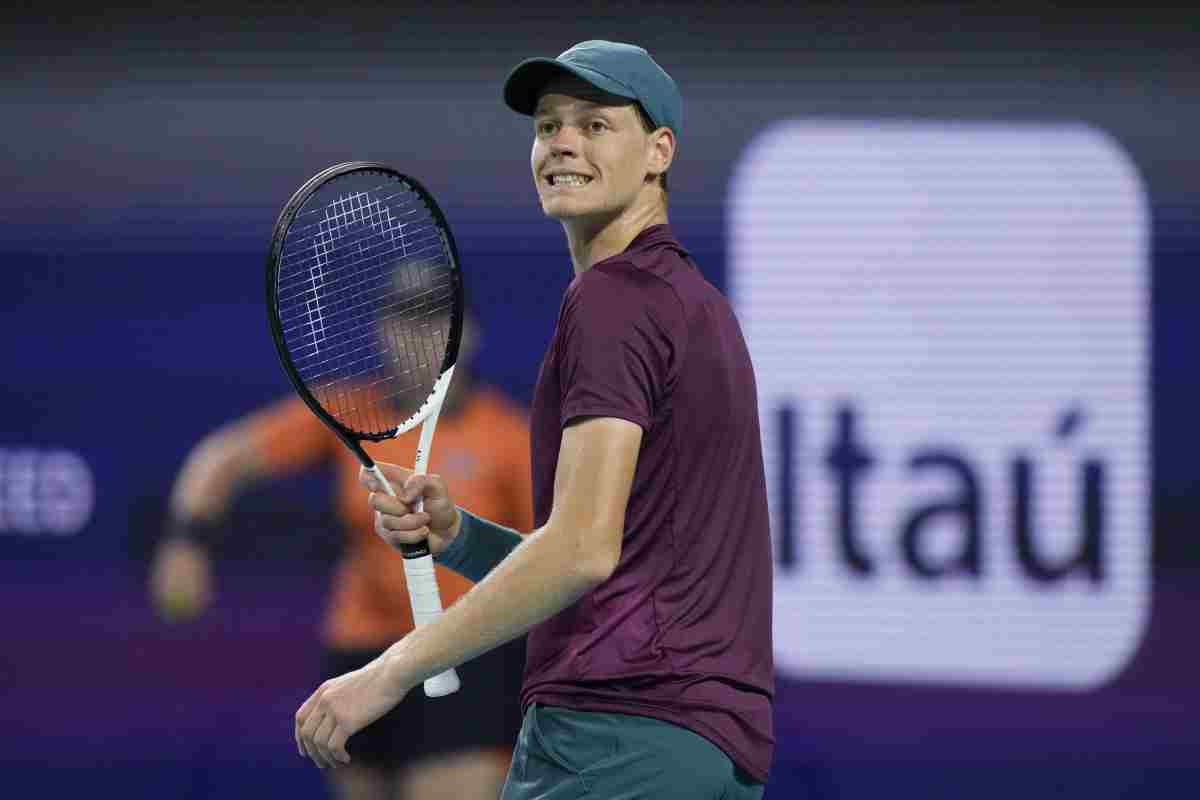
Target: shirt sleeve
x: 617, y: 350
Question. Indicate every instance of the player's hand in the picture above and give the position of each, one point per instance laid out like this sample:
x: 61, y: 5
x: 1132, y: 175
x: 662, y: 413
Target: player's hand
x: 181, y: 580
x: 340, y: 708
x: 396, y: 518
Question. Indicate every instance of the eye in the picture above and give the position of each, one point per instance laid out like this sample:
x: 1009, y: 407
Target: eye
x: 545, y: 128
x: 598, y: 126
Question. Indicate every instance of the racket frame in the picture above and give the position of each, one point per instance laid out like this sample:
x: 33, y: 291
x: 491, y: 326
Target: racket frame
x: 418, y: 559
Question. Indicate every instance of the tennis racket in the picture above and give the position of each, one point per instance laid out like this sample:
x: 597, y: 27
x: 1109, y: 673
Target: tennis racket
x: 365, y: 301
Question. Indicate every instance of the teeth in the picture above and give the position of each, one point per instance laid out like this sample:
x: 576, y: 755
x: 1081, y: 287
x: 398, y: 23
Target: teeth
x: 573, y: 180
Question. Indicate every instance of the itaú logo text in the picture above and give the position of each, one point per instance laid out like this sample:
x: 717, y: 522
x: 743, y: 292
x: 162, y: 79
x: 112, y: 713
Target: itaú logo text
x: 942, y: 534
x: 949, y: 328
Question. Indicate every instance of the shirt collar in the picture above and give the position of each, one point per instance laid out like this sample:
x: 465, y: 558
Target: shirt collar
x: 650, y: 236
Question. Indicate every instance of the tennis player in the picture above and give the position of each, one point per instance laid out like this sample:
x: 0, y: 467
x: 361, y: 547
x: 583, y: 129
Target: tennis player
x: 646, y: 586
x: 482, y: 445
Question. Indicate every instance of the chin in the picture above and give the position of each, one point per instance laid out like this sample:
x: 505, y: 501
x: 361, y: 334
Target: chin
x: 562, y: 209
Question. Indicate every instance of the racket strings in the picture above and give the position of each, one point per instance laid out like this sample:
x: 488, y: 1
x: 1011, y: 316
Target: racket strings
x: 321, y: 244
x: 399, y: 307
x: 351, y: 290
x: 365, y: 293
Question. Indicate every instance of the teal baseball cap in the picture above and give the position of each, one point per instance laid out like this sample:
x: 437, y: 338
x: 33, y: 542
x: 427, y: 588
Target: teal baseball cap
x: 624, y: 70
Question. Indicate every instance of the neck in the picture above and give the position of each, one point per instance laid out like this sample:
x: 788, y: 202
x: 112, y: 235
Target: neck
x: 591, y: 242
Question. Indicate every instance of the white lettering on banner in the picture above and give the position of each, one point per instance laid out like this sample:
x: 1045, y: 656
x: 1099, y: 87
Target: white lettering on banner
x: 44, y: 492
x: 949, y: 327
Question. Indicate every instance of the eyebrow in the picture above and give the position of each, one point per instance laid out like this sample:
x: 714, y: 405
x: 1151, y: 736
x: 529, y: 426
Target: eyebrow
x: 589, y: 105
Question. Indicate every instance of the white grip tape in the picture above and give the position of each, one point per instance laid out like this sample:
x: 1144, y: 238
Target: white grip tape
x: 423, y: 589
x: 426, y: 606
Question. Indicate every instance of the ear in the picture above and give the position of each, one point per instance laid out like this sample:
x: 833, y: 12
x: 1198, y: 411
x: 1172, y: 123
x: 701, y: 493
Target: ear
x: 660, y: 152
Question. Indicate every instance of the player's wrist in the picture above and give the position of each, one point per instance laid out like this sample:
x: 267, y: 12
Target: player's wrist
x: 397, y: 669
x: 454, y: 540
x: 455, y: 527
x: 479, y: 547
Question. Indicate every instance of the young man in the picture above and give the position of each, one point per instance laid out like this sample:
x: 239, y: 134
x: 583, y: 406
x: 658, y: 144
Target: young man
x: 646, y: 586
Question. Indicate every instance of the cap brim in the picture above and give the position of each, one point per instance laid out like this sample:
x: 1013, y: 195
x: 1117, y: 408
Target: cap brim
x: 528, y: 78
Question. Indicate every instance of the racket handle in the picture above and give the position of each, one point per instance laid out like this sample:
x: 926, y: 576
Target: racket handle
x: 427, y: 606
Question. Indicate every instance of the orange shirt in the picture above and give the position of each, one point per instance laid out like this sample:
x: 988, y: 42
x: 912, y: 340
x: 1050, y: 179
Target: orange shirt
x: 482, y: 452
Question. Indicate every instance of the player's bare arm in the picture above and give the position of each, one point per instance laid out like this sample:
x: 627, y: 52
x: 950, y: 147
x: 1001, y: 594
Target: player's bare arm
x: 576, y: 550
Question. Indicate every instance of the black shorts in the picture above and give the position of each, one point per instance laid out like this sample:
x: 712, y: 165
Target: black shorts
x: 484, y: 713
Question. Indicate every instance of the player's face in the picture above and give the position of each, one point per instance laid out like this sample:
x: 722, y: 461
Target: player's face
x: 590, y: 152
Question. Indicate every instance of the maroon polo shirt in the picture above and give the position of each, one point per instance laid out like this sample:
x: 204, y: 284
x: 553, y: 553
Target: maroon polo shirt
x: 682, y: 630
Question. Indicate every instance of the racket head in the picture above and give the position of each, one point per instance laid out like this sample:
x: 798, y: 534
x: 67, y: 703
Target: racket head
x: 365, y: 300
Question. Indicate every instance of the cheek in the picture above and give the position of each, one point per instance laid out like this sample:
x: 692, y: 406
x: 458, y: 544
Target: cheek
x: 632, y: 168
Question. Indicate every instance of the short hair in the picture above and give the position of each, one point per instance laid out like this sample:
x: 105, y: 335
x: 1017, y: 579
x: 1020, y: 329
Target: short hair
x: 649, y: 126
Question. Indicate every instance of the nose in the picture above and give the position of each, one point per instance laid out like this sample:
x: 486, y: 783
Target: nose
x: 564, y: 143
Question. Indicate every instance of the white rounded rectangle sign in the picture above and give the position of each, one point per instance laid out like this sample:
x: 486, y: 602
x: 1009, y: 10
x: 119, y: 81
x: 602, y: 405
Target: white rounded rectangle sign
x: 949, y: 327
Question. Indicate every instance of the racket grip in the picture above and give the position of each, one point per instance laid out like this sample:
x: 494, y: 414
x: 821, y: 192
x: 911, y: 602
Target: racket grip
x: 427, y: 606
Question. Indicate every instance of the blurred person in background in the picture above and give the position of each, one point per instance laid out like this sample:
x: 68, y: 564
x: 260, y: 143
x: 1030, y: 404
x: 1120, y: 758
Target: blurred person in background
x: 455, y: 747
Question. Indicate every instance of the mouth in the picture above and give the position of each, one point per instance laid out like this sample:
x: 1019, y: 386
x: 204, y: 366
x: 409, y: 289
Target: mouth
x: 567, y: 179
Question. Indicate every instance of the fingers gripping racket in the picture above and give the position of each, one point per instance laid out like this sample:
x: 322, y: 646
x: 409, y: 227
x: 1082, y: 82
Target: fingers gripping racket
x: 365, y: 300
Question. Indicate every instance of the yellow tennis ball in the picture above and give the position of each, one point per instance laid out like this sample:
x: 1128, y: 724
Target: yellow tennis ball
x: 179, y: 606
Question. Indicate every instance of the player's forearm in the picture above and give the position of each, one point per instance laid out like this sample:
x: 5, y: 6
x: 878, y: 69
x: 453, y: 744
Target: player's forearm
x: 540, y: 578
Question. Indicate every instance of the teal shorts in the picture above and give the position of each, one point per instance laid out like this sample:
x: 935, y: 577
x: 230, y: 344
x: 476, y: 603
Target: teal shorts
x: 563, y: 754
